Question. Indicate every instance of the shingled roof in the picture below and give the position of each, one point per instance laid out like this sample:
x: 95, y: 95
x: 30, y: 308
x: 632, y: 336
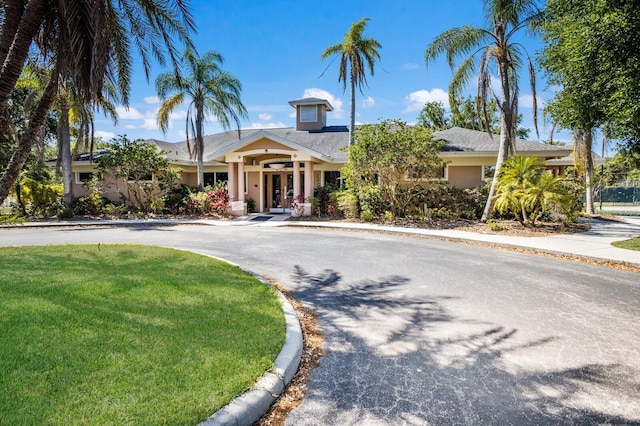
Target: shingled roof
x: 328, y: 143
x: 458, y: 139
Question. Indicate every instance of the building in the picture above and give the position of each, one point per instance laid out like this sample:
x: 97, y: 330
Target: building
x: 272, y: 166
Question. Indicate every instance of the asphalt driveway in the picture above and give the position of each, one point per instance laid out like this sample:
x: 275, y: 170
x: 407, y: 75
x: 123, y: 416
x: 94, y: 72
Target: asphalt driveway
x: 429, y: 332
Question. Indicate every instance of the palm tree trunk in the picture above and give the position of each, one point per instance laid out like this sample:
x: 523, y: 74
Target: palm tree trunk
x: 200, y: 144
x: 506, y: 125
x: 588, y: 171
x: 64, y: 139
x: 19, y: 38
x: 502, y: 156
x: 352, y: 121
x: 36, y: 122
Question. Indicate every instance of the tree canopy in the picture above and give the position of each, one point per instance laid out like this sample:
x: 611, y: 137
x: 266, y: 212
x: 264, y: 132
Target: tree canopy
x: 403, y: 160
x: 592, y: 51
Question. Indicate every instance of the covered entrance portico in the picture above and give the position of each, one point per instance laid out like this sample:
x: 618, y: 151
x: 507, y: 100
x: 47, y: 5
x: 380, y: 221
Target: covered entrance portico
x: 271, y: 172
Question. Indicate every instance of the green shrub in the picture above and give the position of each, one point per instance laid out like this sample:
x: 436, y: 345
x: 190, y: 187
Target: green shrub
x: 348, y: 203
x: 371, y: 199
x: 367, y: 215
x: 251, y: 205
x: 91, y: 204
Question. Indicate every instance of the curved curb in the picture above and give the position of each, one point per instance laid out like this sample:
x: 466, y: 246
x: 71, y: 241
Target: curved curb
x: 251, y: 405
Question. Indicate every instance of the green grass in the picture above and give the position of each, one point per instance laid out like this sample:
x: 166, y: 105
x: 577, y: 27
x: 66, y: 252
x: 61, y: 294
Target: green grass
x: 632, y: 244
x: 123, y: 334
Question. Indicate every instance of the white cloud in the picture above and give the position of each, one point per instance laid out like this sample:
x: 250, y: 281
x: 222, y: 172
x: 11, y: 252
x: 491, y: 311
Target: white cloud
x: 314, y: 92
x: 292, y: 115
x: 526, y: 101
x: 416, y: 100
x: 106, y: 136
x: 257, y: 125
x: 182, y: 134
x: 152, y: 100
x: 150, y: 124
x: 177, y: 115
x: 125, y: 113
x: 265, y: 116
x: 410, y: 66
x: 368, y: 103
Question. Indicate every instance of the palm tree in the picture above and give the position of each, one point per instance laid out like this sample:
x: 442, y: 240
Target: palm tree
x: 90, y: 41
x: 491, y: 49
x: 212, y: 92
x: 356, y: 52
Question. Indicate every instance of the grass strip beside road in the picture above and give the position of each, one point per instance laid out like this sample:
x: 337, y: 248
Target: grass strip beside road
x: 122, y: 334
x: 632, y: 244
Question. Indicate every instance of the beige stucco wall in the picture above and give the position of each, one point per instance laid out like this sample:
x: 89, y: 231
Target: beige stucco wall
x: 464, y: 176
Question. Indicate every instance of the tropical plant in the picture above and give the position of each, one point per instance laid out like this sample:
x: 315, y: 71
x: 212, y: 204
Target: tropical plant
x: 528, y: 191
x: 89, y: 41
x: 142, y: 169
x: 211, y: 91
x: 356, y: 53
x: 490, y: 49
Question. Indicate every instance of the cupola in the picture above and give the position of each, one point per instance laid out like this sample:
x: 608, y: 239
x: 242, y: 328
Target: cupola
x: 311, y: 113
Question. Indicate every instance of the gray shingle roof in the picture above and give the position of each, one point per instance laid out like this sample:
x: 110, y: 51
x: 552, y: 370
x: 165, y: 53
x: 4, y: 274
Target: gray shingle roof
x: 329, y: 141
x: 465, y: 140
x: 326, y: 143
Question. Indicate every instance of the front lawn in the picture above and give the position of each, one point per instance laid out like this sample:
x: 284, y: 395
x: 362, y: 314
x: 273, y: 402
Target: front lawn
x: 632, y: 244
x: 122, y: 334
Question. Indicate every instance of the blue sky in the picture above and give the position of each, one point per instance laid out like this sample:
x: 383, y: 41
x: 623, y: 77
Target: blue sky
x: 274, y: 47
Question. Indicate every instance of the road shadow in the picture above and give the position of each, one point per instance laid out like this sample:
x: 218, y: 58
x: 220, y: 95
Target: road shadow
x: 395, y: 358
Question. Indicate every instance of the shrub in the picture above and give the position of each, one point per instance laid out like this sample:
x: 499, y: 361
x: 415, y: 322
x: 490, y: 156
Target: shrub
x: 348, y: 204
x: 251, y: 205
x: 459, y: 203
x: 218, y: 201
x: 325, y: 200
x: 91, y: 204
x: 372, y: 200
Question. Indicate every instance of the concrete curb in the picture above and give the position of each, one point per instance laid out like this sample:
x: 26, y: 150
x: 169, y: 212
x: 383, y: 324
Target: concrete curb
x: 251, y: 405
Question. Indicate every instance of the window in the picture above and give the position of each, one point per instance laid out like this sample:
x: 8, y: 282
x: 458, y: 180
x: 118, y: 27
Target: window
x: 211, y: 179
x: 308, y: 113
x: 84, y: 177
x: 488, y: 172
x: 333, y: 178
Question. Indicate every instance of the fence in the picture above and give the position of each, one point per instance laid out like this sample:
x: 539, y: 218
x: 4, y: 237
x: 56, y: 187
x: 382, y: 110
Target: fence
x: 628, y: 195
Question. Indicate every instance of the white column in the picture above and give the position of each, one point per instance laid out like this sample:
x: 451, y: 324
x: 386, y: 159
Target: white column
x: 240, y: 181
x: 296, y: 178
x: 308, y: 179
x: 231, y: 173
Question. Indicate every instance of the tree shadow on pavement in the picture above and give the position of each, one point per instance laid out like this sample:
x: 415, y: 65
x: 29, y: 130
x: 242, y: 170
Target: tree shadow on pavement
x: 396, y: 358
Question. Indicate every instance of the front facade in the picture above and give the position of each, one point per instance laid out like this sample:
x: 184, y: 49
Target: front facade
x: 275, y: 166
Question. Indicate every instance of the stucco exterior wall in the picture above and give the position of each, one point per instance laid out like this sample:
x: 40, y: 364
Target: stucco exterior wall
x: 464, y: 176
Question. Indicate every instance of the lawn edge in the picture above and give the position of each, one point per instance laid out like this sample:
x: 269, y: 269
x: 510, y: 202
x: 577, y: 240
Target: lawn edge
x: 251, y: 405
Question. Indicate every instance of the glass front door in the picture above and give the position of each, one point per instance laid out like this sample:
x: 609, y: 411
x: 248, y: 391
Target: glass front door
x: 281, y: 190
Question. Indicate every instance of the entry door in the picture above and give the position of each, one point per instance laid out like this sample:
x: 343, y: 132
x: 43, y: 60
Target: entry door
x: 281, y: 190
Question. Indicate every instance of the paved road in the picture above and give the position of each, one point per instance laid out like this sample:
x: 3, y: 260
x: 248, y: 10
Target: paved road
x: 430, y: 332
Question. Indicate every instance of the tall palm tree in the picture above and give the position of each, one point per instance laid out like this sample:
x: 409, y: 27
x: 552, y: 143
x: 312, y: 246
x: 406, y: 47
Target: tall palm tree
x: 212, y: 92
x: 88, y: 40
x: 356, y: 53
x: 491, y: 49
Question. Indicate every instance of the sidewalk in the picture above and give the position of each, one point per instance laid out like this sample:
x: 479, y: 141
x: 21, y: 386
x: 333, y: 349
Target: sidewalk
x: 596, y: 243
